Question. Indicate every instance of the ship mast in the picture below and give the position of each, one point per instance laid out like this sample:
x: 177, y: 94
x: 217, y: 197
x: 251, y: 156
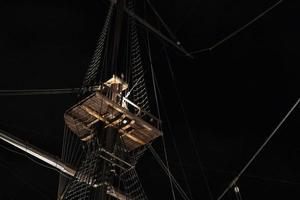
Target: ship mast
x: 111, y: 127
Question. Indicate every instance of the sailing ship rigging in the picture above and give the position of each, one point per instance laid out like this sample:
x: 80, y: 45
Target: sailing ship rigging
x: 110, y: 127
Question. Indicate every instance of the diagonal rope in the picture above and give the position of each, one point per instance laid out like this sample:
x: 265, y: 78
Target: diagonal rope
x: 238, y: 30
x: 189, y: 130
x: 158, y: 111
x: 166, y: 170
x: 163, y: 22
x: 175, y: 144
x: 161, y: 36
x: 234, y: 181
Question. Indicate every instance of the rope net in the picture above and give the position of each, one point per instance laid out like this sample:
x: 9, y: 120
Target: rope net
x: 140, y: 96
x: 96, y: 171
x: 80, y: 186
x: 94, y: 67
x: 132, y: 185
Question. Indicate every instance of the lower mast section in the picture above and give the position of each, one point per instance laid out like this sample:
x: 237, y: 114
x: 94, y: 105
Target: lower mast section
x: 117, y: 127
x: 54, y: 162
x: 111, y: 127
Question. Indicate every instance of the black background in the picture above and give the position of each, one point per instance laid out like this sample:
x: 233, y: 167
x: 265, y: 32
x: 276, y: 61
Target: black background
x: 233, y: 96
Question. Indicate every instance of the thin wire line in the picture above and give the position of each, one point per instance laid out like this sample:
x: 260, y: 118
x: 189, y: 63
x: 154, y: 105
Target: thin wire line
x: 72, y: 147
x: 157, y: 106
x: 166, y: 170
x: 162, y: 37
x: 77, y: 152
x: 64, y: 144
x: 238, y: 30
x: 67, y: 143
x: 259, y: 150
x: 44, y: 91
x: 175, y: 145
x: 35, y: 161
x: 16, y: 174
x: 163, y: 22
x: 251, y: 176
x: 191, y: 137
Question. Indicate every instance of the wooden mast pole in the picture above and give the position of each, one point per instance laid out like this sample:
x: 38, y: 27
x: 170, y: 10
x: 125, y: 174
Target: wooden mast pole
x: 111, y: 133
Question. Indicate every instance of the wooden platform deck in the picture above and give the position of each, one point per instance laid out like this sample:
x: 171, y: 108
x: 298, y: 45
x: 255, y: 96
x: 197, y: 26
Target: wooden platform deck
x: 83, y: 116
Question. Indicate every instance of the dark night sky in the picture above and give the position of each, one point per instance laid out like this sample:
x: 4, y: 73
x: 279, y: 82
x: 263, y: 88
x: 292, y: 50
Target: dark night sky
x: 233, y: 96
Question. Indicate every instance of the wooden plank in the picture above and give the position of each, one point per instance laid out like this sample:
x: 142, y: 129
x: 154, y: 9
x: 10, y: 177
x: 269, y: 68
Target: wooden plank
x: 129, y: 114
x: 93, y: 113
x: 93, y: 122
x: 129, y: 135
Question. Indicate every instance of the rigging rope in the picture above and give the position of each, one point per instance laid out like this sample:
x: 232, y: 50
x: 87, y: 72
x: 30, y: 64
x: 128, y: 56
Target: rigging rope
x: 157, y: 33
x: 189, y: 130
x: 234, y: 181
x: 158, y: 110
x: 132, y: 185
x: 44, y: 91
x: 175, y: 145
x: 166, y: 170
x: 238, y: 30
x: 163, y: 23
x: 253, y: 176
x: 93, y: 68
x: 80, y: 187
x: 33, y: 160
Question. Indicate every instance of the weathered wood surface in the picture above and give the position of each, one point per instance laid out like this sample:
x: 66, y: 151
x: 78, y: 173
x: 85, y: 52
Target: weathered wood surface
x: 83, y: 116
